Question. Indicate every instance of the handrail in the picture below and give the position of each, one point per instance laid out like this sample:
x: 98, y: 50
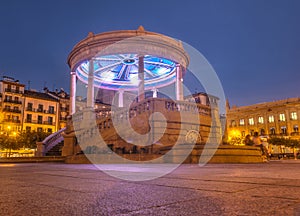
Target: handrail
x: 53, y: 139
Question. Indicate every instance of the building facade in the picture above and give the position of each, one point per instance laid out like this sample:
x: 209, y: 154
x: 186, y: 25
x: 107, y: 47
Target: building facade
x: 274, y: 119
x: 63, y: 108
x: 11, y: 105
x: 40, y: 112
x: 28, y: 110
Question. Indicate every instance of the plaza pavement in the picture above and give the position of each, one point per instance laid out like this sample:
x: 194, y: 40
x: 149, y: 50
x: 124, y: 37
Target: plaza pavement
x: 214, y: 189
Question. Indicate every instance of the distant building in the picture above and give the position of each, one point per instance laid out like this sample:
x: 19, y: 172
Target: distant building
x: 64, y: 103
x: 40, y: 112
x: 11, y: 104
x: 275, y: 119
x: 29, y: 110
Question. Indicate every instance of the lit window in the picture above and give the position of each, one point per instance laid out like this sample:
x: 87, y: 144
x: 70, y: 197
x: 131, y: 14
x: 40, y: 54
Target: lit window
x: 296, y: 129
x: 233, y: 123
x: 272, y: 130
x: 294, y: 116
x: 260, y: 119
x: 242, y: 121
x: 283, y: 130
x: 251, y: 121
x: 271, y: 118
x: 281, y: 117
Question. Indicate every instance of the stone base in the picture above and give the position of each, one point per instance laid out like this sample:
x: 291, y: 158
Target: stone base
x: 223, y: 154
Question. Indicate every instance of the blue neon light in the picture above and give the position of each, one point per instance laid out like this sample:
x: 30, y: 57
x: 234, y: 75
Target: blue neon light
x: 121, y: 71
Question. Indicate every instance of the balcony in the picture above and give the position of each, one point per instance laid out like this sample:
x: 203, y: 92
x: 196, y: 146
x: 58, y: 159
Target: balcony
x: 12, y: 120
x: 11, y: 110
x: 295, y: 134
x: 30, y: 109
x: 12, y: 101
x: 39, y: 110
x: 48, y: 123
x: 39, y: 122
x: 13, y: 91
x: 50, y: 112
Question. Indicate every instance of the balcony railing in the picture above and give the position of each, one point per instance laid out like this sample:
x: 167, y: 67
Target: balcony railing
x: 12, y: 120
x: 295, y: 133
x: 13, y: 91
x: 29, y: 109
x: 48, y: 123
x: 12, y: 101
x: 39, y: 122
x: 11, y: 110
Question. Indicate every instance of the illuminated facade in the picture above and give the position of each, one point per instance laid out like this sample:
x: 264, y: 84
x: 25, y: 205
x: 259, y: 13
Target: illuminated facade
x: 64, y: 103
x: 276, y: 119
x: 40, y: 113
x: 27, y: 110
x: 12, y: 101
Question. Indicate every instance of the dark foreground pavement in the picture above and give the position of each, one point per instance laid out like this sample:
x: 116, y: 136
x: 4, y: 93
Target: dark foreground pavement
x: 216, y: 189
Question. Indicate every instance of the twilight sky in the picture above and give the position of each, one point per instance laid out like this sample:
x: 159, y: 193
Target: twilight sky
x: 253, y: 45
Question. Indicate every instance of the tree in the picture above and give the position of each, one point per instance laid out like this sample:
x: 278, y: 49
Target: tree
x: 29, y: 138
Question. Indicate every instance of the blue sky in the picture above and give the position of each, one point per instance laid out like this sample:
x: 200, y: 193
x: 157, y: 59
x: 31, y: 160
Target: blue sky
x: 253, y: 45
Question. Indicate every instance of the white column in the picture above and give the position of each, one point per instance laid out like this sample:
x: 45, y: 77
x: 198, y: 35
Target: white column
x: 90, y: 90
x: 154, y: 90
x: 179, y: 80
x: 141, y: 89
x: 72, y: 108
x: 121, y: 103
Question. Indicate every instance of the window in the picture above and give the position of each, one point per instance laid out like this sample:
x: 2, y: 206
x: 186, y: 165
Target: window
x: 28, y: 129
x: 39, y: 129
x: 281, y: 117
x: 40, y: 119
x: 242, y: 121
x: 29, y: 106
x: 283, y: 130
x: 40, y: 108
x: 49, y: 130
x: 8, y: 98
x: 50, y: 120
x: 233, y: 123
x: 51, y: 109
x: 272, y: 131
x: 296, y: 129
x: 271, y: 118
x: 294, y: 116
x: 260, y: 119
x: 28, y: 118
x: 251, y: 121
